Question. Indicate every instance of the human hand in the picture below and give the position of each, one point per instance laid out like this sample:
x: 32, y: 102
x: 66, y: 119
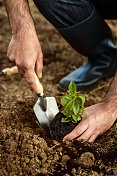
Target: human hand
x: 100, y: 118
x: 25, y: 50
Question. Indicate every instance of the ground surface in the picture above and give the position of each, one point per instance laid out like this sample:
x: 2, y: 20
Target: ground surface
x: 25, y: 150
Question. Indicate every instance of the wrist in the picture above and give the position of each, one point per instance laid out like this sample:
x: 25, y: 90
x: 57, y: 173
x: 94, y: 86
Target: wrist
x: 22, y: 25
x: 110, y: 105
x: 111, y: 97
x: 19, y: 15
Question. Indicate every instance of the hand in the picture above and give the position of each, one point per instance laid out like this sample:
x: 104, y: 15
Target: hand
x: 100, y: 118
x: 25, y: 50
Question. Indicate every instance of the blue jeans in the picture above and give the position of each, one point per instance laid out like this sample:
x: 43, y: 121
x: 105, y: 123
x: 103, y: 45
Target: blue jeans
x: 65, y: 13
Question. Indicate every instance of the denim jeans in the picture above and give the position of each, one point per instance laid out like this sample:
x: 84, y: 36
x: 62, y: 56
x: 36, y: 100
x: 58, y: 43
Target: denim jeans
x: 65, y: 13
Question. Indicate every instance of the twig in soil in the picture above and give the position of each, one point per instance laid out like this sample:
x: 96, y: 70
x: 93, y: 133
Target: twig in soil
x: 98, y: 88
x: 55, y: 146
x: 4, y: 87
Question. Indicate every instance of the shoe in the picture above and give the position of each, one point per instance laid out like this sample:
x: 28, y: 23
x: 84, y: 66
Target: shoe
x: 94, y: 69
x: 93, y: 39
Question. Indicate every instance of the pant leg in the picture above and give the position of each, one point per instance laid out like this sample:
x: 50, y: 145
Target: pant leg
x: 78, y: 22
x: 107, y: 8
x: 64, y: 13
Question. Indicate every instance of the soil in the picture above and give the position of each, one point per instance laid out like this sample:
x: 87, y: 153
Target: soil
x: 25, y: 149
x: 58, y: 129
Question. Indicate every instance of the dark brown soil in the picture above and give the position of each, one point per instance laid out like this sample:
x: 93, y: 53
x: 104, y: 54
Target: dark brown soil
x: 58, y: 129
x: 25, y: 149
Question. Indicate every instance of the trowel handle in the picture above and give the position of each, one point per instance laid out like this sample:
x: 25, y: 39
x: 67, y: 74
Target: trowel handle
x: 39, y: 85
x: 10, y: 71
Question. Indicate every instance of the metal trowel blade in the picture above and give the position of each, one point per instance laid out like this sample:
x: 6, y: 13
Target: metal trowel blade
x: 45, y: 111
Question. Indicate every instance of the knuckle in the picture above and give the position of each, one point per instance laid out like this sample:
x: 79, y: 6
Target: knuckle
x: 27, y: 65
x: 11, y: 59
x: 18, y: 63
x: 10, y: 55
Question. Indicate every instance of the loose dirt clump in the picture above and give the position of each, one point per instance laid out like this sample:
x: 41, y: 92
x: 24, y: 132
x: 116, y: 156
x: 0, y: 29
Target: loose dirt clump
x: 25, y: 148
x: 86, y: 160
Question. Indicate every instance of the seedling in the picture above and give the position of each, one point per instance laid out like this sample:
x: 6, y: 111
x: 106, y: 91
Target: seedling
x: 73, y: 104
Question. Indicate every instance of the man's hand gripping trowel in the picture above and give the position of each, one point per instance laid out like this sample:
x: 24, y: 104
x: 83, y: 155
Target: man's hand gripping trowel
x: 46, y: 107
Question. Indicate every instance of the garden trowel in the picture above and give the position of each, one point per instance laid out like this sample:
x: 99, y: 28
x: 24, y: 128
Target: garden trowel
x: 46, y: 107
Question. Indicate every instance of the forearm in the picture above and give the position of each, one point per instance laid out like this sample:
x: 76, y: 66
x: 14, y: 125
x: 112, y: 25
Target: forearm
x: 112, y: 92
x: 111, y: 98
x: 19, y: 15
x: 24, y: 48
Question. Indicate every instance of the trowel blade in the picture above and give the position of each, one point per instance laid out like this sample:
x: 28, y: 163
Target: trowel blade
x: 45, y: 116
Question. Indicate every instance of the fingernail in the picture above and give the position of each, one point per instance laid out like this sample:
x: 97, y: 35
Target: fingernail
x: 40, y: 75
x: 64, y: 139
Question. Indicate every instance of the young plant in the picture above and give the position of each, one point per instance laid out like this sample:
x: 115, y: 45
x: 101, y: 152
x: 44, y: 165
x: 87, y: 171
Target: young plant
x: 73, y: 104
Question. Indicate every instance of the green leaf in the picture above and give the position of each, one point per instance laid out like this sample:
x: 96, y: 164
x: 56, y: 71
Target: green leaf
x: 70, y: 105
x: 85, y: 112
x: 79, y: 117
x: 73, y: 104
x: 82, y: 97
x: 76, y: 108
x: 72, y: 88
x: 64, y: 100
x: 68, y: 97
x: 64, y: 120
x: 82, y: 109
x: 68, y: 91
x: 66, y: 113
x: 76, y: 117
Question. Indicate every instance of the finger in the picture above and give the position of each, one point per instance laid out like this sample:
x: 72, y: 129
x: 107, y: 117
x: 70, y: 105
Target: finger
x: 12, y: 59
x: 81, y: 128
x: 93, y: 137
x: 86, y: 135
x: 30, y: 77
x: 39, y: 67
